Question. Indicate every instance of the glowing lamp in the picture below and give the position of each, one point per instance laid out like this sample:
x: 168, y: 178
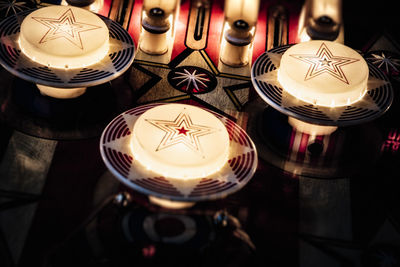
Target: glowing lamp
x: 157, y: 25
x: 180, y: 141
x: 178, y: 154
x: 324, y: 74
x: 170, y: 204
x: 64, y: 37
x: 61, y: 93
x: 92, y: 5
x: 310, y: 128
x: 321, y: 20
x: 238, y: 32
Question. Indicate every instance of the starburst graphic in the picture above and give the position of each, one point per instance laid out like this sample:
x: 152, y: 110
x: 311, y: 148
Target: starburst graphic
x: 13, y: 6
x: 181, y: 131
x: 325, y: 62
x: 385, y: 62
x: 191, y: 79
x: 65, y: 27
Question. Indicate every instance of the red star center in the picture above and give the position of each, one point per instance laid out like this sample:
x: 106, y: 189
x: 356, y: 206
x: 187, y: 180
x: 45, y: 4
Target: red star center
x: 181, y: 131
x: 325, y: 62
x: 65, y: 27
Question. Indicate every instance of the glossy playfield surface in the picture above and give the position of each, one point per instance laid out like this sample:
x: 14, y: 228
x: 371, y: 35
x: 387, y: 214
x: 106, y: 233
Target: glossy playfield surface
x: 313, y: 201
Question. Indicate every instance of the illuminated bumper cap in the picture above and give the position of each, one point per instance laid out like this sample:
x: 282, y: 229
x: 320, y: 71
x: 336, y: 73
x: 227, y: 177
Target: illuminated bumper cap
x: 324, y: 73
x: 180, y: 141
x: 64, y: 37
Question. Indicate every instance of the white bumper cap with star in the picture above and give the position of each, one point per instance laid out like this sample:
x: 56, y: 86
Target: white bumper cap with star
x: 180, y: 141
x: 324, y: 73
x: 64, y: 37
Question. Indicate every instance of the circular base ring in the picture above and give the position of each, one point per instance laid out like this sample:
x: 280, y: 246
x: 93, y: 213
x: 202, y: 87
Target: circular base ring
x: 375, y: 102
x: 237, y: 171
x: 118, y: 59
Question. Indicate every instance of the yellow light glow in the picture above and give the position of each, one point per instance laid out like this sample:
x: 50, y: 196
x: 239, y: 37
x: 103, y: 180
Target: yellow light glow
x: 64, y: 37
x: 324, y: 73
x: 313, y: 10
x: 246, y: 10
x: 304, y: 37
x: 157, y: 43
x: 238, y: 54
x: 170, y: 204
x: 94, y: 7
x: 180, y: 141
x: 168, y: 6
x: 233, y: 55
x: 61, y: 93
x: 311, y: 129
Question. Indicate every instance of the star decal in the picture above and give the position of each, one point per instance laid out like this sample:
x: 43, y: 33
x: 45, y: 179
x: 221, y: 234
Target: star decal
x: 325, y: 62
x: 385, y: 62
x: 181, y: 131
x: 191, y: 79
x: 223, y: 92
x: 65, y: 27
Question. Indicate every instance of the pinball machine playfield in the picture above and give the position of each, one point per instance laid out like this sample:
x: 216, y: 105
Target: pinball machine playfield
x: 314, y: 200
